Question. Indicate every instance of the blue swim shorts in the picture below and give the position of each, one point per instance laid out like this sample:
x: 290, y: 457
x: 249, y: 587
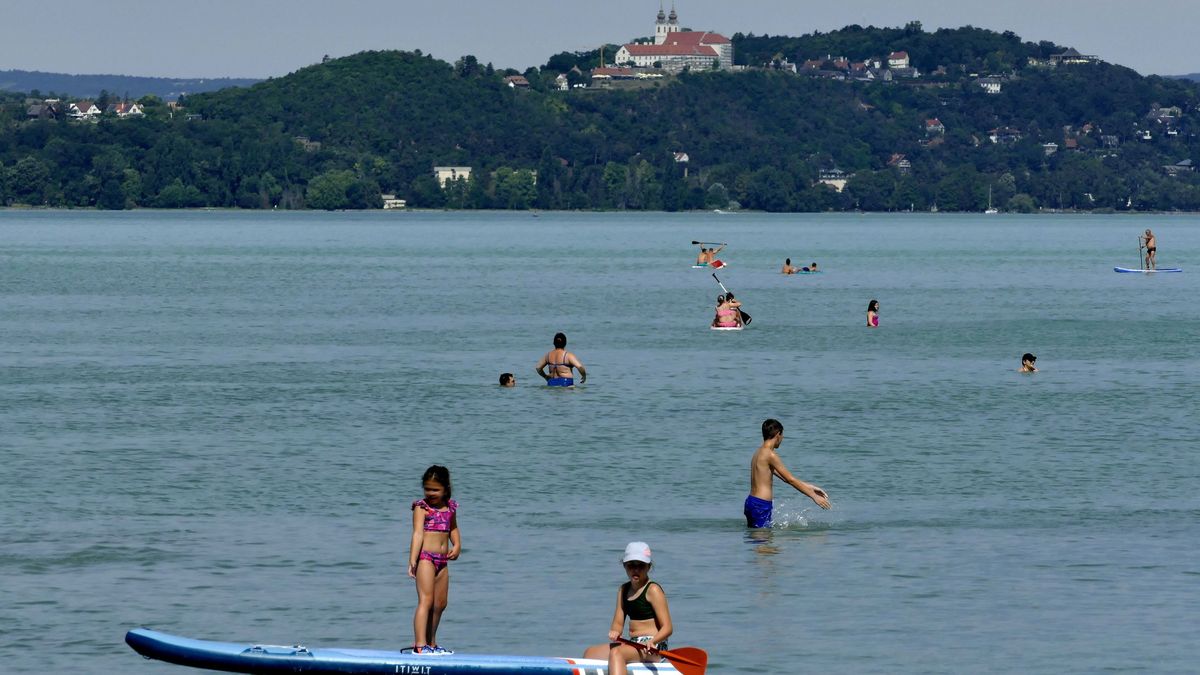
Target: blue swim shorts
x: 757, y: 511
x: 560, y: 382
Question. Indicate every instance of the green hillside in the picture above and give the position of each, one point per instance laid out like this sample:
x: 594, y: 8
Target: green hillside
x: 335, y: 135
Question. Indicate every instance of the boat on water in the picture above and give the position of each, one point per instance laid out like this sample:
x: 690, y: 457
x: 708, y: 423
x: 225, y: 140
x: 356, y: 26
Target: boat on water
x: 257, y: 658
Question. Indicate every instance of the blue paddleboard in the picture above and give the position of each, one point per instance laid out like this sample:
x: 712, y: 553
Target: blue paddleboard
x: 256, y: 658
x: 1161, y: 270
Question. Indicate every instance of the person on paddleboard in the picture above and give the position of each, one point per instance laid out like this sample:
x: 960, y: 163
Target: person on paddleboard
x: 764, y: 466
x: 728, y: 315
x: 811, y: 268
x: 644, y: 603
x: 560, y: 362
x: 1151, y: 244
x: 435, y: 542
x: 708, y: 255
x: 1027, y: 363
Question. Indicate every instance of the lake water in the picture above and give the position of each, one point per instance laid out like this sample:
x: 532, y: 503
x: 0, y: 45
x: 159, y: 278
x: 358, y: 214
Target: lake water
x: 213, y: 424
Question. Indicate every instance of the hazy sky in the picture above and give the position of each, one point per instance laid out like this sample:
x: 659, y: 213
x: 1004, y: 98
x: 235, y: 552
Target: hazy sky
x: 260, y: 38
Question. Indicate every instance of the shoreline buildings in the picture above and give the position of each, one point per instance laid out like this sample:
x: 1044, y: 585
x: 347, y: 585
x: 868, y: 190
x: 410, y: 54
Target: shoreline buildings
x: 675, y: 49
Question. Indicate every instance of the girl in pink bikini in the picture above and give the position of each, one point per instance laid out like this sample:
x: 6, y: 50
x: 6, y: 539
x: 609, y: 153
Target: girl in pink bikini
x: 435, y: 542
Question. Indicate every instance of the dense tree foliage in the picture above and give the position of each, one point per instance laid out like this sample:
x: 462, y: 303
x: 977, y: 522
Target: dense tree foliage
x: 335, y: 135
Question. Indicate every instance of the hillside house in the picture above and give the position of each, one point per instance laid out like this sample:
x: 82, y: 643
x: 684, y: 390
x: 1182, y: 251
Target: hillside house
x: 390, y: 202
x: 834, y: 178
x: 934, y: 127
x: 900, y: 163
x: 1072, y: 57
x: 449, y: 173
x: 898, y: 60
x: 83, y: 110
x: 1049, y: 148
x: 1004, y: 135
x: 46, y: 110
x: 1179, y: 167
x: 517, y: 82
x: 124, y: 109
x: 990, y: 85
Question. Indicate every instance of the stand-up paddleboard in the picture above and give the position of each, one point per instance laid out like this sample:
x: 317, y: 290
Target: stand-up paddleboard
x: 252, y: 658
x: 1163, y: 270
x: 726, y: 327
x: 716, y: 265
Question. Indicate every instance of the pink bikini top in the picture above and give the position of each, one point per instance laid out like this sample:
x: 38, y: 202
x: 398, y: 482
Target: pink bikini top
x: 437, y: 521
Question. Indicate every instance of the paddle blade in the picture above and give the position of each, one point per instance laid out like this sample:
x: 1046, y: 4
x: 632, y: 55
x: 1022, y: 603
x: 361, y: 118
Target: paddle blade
x: 694, y: 242
x: 745, y: 318
x: 687, y: 660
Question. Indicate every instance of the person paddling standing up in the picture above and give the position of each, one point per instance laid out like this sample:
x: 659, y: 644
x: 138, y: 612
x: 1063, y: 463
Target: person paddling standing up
x: 559, y: 361
x: 645, y: 604
x: 1151, y: 244
x: 764, y: 466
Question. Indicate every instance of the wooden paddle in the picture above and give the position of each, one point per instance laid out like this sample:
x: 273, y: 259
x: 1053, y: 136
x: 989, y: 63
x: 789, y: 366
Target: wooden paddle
x: 687, y: 660
x: 745, y: 317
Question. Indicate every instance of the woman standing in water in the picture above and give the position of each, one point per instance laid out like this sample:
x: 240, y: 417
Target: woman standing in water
x: 873, y: 314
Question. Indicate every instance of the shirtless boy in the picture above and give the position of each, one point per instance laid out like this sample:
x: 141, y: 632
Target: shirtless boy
x: 764, y: 466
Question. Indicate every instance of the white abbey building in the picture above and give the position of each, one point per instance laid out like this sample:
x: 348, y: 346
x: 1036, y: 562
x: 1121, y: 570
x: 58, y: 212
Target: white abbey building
x: 675, y: 49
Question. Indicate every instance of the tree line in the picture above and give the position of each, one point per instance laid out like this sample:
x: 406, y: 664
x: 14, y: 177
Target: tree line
x: 337, y: 134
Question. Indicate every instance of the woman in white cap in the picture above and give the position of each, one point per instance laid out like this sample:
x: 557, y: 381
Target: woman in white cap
x: 644, y: 602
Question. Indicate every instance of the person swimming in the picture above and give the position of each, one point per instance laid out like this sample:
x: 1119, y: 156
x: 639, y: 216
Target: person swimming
x: 873, y: 314
x: 1027, y: 363
x: 787, y: 267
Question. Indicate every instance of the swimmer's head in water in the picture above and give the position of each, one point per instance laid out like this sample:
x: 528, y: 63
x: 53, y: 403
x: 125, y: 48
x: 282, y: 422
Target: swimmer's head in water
x: 787, y: 262
x: 1028, y: 357
x: 560, y: 341
x: 507, y: 380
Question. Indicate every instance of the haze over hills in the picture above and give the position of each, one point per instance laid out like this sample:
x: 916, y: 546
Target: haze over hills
x: 132, y: 86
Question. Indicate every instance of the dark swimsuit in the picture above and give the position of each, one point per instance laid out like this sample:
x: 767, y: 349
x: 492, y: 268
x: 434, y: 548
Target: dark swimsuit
x: 559, y: 381
x: 640, y: 609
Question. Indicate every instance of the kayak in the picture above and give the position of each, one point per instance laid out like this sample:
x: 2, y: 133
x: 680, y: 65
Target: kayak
x: 258, y: 658
x: 1126, y: 270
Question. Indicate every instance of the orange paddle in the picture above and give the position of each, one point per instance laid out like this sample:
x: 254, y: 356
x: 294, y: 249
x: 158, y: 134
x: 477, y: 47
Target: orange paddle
x: 687, y: 660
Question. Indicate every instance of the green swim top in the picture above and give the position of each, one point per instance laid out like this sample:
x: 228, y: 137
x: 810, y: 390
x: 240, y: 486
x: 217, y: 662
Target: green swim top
x: 638, y: 609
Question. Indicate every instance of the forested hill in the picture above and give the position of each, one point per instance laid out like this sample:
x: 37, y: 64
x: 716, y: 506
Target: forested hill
x: 335, y: 135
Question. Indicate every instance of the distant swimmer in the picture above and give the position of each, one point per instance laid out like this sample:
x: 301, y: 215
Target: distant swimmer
x: 812, y: 267
x: 764, y: 466
x: 508, y: 380
x: 1027, y: 363
x: 787, y: 267
x: 1151, y: 244
x: 873, y: 314
x: 560, y: 362
x: 728, y: 314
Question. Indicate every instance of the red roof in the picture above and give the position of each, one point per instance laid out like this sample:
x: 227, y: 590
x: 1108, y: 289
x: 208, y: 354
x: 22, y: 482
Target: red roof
x: 682, y: 43
x: 933, y: 123
x: 898, y: 55
x: 670, y: 50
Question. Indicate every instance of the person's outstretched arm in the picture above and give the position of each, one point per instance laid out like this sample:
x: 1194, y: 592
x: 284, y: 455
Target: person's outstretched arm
x: 813, y: 492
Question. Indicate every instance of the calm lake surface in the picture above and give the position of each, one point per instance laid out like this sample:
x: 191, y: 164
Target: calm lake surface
x: 213, y: 424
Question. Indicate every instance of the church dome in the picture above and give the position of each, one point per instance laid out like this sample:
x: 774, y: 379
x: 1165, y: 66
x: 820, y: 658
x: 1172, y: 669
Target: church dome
x: 662, y: 16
